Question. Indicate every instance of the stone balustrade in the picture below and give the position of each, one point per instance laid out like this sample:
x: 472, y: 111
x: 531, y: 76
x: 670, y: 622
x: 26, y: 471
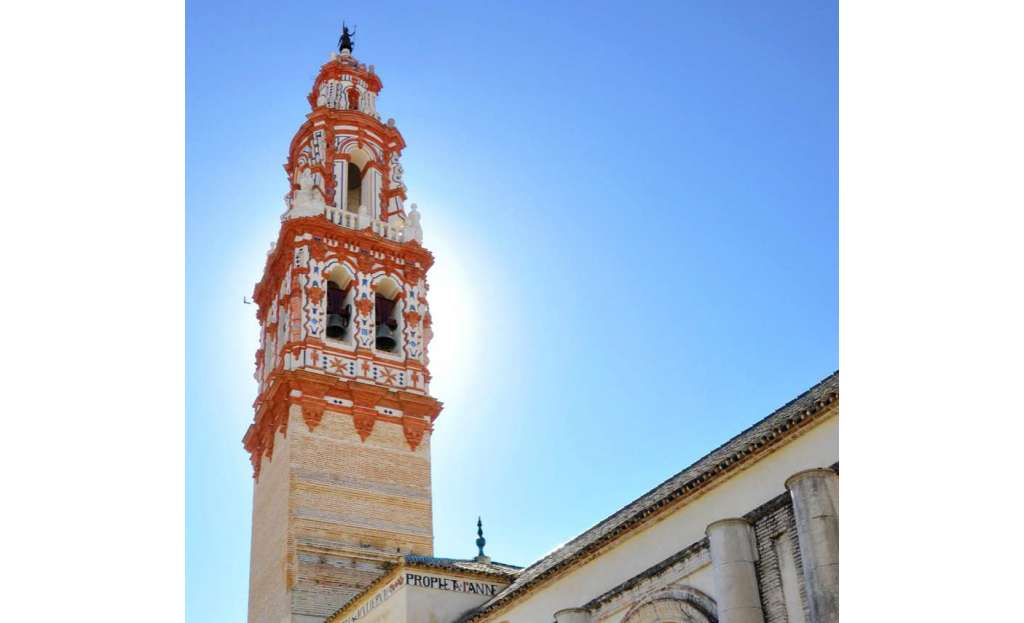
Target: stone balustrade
x: 353, y: 220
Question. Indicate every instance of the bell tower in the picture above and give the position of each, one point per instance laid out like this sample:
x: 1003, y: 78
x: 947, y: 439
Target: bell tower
x: 340, y: 439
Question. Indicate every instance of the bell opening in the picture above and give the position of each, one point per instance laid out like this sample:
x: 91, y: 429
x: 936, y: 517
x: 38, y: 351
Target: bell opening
x: 355, y: 185
x: 387, y: 325
x: 339, y: 314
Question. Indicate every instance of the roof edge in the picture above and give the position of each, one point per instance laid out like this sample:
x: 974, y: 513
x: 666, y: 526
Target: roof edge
x: 713, y: 473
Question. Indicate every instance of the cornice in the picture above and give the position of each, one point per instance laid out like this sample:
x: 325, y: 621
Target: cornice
x: 767, y: 442
x: 309, y: 390
x: 280, y: 259
x: 390, y: 139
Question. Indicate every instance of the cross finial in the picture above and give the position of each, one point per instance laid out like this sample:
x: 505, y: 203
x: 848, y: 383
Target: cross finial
x: 480, y: 541
x: 345, y: 42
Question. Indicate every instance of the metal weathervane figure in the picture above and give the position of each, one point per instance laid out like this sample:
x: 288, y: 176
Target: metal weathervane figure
x: 345, y: 42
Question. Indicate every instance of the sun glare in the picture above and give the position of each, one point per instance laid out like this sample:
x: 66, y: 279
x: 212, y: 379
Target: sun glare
x: 456, y: 346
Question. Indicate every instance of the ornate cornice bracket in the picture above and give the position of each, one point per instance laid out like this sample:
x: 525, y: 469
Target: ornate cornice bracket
x: 312, y: 413
x: 414, y: 428
x: 364, y: 413
x: 420, y: 406
x: 364, y: 419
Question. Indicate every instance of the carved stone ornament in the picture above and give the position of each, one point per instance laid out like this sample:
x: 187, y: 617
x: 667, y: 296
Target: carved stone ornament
x: 307, y: 200
x: 413, y: 230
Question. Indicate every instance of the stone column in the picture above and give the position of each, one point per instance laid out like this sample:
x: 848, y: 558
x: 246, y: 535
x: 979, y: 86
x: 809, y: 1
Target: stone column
x: 340, y: 184
x: 572, y: 615
x: 370, y: 196
x: 815, y: 494
x: 732, y: 558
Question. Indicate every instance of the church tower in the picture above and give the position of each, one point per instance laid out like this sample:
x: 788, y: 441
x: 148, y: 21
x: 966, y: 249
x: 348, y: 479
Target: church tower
x: 340, y: 440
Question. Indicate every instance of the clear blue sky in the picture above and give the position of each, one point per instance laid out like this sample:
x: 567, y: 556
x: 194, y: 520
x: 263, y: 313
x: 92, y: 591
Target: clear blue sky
x: 633, y: 208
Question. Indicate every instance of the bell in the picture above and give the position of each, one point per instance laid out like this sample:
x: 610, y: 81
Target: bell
x: 336, y: 325
x: 385, y: 337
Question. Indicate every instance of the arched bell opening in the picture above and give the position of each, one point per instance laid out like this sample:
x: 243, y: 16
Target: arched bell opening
x: 359, y: 178
x: 387, y: 315
x: 340, y: 294
x: 355, y: 187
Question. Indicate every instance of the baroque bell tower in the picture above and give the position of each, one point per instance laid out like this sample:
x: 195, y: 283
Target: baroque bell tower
x: 340, y: 440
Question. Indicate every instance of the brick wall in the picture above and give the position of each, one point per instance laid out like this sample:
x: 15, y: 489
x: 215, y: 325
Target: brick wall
x: 268, y: 597
x: 345, y: 509
x: 779, y: 580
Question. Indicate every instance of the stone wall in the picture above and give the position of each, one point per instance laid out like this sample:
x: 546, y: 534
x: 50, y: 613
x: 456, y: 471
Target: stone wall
x: 759, y: 484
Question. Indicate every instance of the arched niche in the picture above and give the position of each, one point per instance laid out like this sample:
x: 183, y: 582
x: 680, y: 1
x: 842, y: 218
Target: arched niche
x: 676, y: 605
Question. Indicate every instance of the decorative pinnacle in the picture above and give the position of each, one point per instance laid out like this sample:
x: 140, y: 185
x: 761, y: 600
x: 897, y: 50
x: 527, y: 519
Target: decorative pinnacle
x: 480, y: 541
x: 345, y: 42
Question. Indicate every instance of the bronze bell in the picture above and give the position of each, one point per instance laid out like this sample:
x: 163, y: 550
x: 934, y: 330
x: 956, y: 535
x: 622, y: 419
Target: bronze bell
x: 386, y: 335
x: 337, y: 323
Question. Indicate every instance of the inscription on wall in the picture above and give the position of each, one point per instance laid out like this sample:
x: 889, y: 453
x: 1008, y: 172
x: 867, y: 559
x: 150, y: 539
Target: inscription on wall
x: 450, y: 584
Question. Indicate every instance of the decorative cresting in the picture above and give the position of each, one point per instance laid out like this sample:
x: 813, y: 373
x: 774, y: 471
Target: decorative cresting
x: 682, y: 604
x: 345, y: 216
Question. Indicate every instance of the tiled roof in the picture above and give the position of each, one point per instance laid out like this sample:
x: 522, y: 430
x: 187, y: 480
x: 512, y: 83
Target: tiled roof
x: 766, y: 432
x: 471, y: 566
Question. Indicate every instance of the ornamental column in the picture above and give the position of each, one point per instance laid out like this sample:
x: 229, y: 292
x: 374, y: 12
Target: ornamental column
x: 815, y: 494
x: 733, y: 555
x: 572, y: 615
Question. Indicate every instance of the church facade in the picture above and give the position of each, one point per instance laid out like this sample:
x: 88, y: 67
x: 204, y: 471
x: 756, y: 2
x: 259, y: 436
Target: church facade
x: 340, y: 440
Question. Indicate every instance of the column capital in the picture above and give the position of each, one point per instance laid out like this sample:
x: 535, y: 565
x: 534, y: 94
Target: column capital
x: 721, y: 523
x: 731, y: 540
x: 817, y: 472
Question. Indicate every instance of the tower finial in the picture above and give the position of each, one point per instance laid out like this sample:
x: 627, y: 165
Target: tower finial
x: 345, y: 42
x: 480, y: 541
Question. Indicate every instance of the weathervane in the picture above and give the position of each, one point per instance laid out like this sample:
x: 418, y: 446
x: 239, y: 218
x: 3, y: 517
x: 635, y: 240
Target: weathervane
x: 345, y: 42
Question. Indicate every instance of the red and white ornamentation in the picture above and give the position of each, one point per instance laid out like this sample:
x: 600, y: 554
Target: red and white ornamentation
x: 345, y: 222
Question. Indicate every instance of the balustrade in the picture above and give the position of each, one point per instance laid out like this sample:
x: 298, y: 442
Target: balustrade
x: 352, y: 220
